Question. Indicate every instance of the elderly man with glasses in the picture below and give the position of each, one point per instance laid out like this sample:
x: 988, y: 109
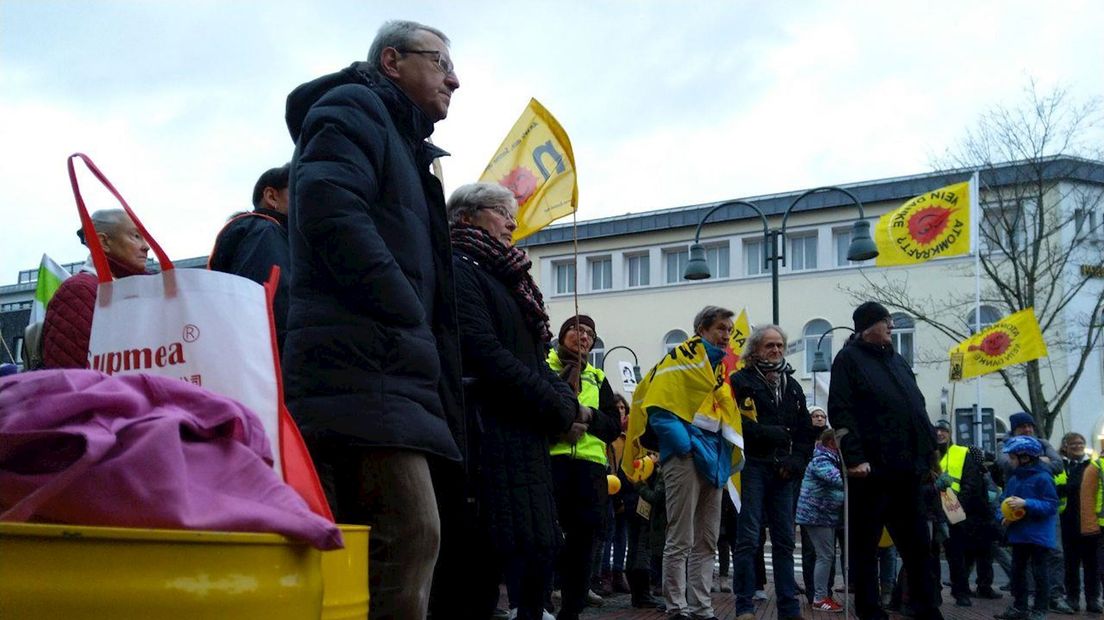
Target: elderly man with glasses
x: 371, y: 358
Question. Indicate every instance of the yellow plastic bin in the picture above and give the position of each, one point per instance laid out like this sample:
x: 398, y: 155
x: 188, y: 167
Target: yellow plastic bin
x: 79, y: 572
x: 345, y: 576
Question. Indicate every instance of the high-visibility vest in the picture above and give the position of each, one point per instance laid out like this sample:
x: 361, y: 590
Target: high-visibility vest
x: 1099, y: 464
x: 1060, y: 483
x: 588, y: 447
x: 952, y: 463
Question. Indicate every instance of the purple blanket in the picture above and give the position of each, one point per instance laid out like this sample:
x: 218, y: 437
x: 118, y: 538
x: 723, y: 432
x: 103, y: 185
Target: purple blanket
x: 80, y: 447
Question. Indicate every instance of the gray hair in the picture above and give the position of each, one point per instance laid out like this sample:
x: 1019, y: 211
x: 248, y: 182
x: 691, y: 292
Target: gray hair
x: 105, y: 221
x: 758, y: 333
x: 470, y: 198
x: 397, y: 34
x: 709, y: 315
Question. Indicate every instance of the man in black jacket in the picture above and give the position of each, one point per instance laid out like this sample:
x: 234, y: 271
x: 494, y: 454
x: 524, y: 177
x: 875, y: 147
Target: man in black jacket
x: 777, y: 446
x: 889, y: 451
x: 251, y: 243
x: 371, y: 361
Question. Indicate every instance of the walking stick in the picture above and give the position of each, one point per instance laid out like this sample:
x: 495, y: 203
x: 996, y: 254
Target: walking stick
x: 840, y: 434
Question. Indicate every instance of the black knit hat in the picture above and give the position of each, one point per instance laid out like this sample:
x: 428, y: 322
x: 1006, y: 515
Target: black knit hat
x: 867, y: 314
x: 570, y: 322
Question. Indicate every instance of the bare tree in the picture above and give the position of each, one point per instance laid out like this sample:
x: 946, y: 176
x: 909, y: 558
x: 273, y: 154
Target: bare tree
x: 1042, y: 187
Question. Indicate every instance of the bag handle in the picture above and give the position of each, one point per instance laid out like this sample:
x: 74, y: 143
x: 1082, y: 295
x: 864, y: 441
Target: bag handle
x: 99, y: 258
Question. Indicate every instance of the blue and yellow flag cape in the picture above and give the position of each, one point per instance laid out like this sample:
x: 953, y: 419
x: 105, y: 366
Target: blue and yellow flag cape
x: 686, y: 384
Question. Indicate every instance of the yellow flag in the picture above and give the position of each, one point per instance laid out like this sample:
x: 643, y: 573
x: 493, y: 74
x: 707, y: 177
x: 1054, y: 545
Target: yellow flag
x: 1015, y: 339
x: 929, y: 226
x: 535, y: 162
x: 741, y: 329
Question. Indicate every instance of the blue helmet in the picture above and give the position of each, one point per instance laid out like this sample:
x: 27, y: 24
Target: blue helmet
x: 1023, y: 444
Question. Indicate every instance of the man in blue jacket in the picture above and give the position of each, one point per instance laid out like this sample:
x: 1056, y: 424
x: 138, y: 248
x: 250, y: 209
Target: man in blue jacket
x: 371, y: 361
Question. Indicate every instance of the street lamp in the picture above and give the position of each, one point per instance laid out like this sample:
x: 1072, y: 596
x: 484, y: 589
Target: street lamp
x: 862, y: 247
x: 820, y: 362
x: 636, y: 362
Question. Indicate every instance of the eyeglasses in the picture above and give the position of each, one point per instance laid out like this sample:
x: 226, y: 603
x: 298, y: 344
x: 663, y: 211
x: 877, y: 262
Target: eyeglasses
x: 583, y: 330
x: 444, y: 63
x: 503, y: 211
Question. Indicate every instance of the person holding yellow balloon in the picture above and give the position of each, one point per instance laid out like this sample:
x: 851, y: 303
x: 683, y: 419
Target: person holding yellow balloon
x: 1029, y: 512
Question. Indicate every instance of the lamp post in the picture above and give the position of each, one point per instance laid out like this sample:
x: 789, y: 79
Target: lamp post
x: 636, y: 362
x: 820, y: 363
x: 861, y: 248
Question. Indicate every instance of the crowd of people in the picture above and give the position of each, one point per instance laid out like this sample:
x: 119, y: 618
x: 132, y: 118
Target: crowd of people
x: 440, y: 408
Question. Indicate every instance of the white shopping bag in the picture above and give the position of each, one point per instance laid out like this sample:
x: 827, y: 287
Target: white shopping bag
x: 209, y: 328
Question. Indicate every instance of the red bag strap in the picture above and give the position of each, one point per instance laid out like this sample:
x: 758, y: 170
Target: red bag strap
x: 99, y: 258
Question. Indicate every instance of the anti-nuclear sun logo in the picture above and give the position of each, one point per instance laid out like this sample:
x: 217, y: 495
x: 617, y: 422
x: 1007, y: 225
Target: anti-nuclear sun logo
x: 993, y: 344
x: 927, y: 224
x: 521, y: 182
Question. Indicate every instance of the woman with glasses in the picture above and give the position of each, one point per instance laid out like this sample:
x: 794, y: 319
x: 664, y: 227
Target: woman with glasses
x: 515, y: 404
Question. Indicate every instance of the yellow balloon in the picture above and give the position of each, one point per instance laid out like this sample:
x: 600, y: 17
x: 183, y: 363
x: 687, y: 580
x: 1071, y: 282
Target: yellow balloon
x: 1009, y: 513
x: 614, y: 484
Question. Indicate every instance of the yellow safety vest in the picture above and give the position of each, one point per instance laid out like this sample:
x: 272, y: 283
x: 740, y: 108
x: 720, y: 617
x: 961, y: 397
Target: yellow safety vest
x: 588, y: 447
x: 952, y: 463
x: 1060, y: 482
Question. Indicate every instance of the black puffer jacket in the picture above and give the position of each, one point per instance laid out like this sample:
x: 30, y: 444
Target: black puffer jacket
x: 873, y: 394
x: 372, y: 351
x: 782, y: 433
x: 518, y: 403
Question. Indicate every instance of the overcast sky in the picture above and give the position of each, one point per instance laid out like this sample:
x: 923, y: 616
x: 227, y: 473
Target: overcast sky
x: 181, y: 103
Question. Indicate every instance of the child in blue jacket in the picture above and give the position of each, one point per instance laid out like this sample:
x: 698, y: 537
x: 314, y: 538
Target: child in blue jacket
x: 1030, y: 488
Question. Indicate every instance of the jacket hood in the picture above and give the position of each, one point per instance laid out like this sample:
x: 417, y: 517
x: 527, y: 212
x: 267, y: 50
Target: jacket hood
x: 408, y: 118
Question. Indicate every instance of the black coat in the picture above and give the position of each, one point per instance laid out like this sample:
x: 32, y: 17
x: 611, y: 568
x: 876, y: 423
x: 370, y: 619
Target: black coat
x: 518, y: 405
x: 372, y: 352
x: 873, y: 394
x: 249, y: 246
x: 782, y: 433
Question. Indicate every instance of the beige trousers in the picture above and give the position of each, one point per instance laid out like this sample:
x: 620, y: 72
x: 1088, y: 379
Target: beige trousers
x: 693, y: 523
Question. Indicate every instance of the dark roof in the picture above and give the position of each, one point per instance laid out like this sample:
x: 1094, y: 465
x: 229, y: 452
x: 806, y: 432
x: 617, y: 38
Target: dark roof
x: 882, y: 190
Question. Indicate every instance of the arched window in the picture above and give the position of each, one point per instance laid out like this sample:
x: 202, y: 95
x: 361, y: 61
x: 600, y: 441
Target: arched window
x: 813, y: 331
x: 597, y: 352
x: 904, y: 329
x: 674, y: 338
x: 989, y: 315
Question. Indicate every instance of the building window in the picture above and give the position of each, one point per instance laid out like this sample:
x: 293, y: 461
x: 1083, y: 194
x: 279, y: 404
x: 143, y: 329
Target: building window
x: 989, y: 315
x: 27, y: 276
x: 1087, y: 224
x: 674, y: 338
x: 674, y: 261
x: 813, y: 331
x: 716, y: 256
x: 904, y: 330
x: 841, y: 241
x: 803, y: 253
x: 754, y: 261
x: 601, y: 273
x: 597, y: 352
x: 639, y: 268
x: 565, y: 277
x: 1004, y: 228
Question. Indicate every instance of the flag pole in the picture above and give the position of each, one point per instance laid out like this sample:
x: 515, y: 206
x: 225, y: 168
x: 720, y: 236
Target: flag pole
x: 975, y: 205
x: 4, y: 340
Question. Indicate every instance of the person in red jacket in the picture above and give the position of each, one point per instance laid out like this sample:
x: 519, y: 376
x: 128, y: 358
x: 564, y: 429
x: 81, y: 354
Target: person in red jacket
x: 68, y: 323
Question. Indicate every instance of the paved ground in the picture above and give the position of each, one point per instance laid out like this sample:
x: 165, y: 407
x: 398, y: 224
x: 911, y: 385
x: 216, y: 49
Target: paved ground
x: 617, y: 608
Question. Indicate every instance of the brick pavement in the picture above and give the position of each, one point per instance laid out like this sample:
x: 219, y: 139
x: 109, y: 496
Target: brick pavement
x: 617, y: 608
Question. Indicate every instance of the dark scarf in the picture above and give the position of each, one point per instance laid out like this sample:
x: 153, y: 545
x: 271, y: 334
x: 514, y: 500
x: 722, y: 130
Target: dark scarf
x: 511, y: 266
x: 571, y: 371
